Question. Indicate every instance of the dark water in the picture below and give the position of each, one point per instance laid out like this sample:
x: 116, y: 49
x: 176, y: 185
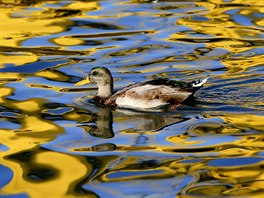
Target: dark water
x: 56, y: 144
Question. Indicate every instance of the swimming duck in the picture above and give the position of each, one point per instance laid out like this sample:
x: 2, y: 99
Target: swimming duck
x: 152, y: 94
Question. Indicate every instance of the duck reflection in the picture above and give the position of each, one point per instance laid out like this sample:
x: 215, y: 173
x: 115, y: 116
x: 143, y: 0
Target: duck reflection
x: 148, y: 122
x: 114, y: 129
x: 103, y: 124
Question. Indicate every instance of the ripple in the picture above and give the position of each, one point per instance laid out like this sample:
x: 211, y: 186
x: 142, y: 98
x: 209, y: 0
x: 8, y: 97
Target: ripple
x: 210, y: 146
x: 11, y: 115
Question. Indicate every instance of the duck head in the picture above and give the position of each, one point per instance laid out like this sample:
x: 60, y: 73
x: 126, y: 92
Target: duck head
x: 102, y: 77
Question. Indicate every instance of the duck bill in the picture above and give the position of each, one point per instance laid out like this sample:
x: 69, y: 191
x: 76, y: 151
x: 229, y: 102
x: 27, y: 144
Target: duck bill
x: 83, y: 82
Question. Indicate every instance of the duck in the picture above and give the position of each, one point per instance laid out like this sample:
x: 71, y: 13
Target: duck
x: 152, y: 94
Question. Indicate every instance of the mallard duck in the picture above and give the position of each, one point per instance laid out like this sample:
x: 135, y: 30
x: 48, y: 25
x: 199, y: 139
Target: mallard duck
x: 152, y: 94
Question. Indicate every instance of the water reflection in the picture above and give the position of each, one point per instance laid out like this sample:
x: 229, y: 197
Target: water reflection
x: 101, y: 125
x: 42, y: 170
x: 51, y: 146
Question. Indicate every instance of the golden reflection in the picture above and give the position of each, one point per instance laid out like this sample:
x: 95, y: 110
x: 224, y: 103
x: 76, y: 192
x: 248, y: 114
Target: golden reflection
x: 182, y: 140
x: 247, y: 2
x: 158, y: 173
x: 254, y: 141
x: 69, y: 170
x: 78, y: 116
x: 53, y: 75
x: 68, y: 41
x: 31, y: 124
x: 237, y: 151
x: 39, y: 22
x: 9, y: 77
x: 85, y: 6
x: 18, y: 59
x: 225, y: 32
x: 19, y: 29
x: 243, y: 121
x: 5, y: 91
x: 240, y: 66
x: 153, y: 69
x: 34, y: 130
x: 244, y: 181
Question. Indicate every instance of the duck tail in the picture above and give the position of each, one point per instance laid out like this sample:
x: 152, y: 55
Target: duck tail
x: 198, y: 83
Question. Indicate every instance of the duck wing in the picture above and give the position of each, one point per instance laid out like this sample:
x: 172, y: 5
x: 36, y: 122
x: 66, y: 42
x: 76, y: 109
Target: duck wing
x: 120, y: 93
x: 178, y: 85
x: 154, y: 93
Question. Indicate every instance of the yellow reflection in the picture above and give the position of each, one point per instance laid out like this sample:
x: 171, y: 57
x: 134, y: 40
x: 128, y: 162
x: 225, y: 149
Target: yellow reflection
x: 258, y: 182
x: 5, y: 91
x: 73, y: 115
x: 30, y: 105
x: 6, y: 77
x: 237, y: 151
x: 255, y: 141
x: 48, y: 74
x: 53, y: 75
x: 244, y: 180
x: 249, y: 2
x: 181, y: 140
x: 67, y: 41
x: 161, y: 172
x: 17, y: 59
x: 31, y: 124
x: 260, y: 22
x: 71, y: 170
x: 252, y: 176
x: 20, y: 29
x: 230, y: 35
x: 87, y: 6
x: 153, y: 69
x: 239, y: 66
x: 244, y: 121
x: 31, y: 131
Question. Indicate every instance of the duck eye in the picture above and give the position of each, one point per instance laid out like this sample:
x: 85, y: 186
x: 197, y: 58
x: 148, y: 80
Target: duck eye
x: 95, y: 73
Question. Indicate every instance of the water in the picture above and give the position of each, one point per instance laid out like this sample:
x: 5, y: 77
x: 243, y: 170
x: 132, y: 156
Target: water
x: 56, y: 144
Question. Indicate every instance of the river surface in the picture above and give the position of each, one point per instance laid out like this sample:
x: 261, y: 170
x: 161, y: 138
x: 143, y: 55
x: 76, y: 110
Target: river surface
x: 55, y: 143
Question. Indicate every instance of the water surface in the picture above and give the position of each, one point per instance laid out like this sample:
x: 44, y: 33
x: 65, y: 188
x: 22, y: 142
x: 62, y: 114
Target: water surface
x: 56, y: 144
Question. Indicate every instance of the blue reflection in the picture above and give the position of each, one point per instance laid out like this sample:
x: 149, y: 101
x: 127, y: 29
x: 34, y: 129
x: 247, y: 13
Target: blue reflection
x: 3, y: 147
x: 6, y: 175
x: 243, y: 161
